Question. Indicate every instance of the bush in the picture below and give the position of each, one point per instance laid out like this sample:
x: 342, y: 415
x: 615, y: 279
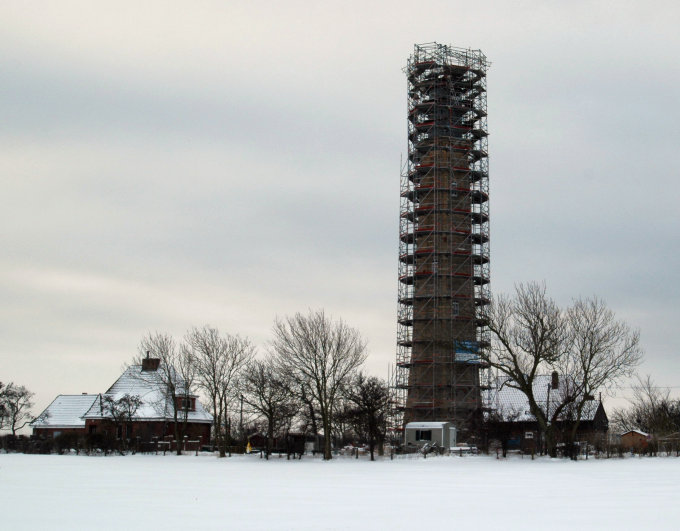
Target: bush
x: 67, y: 441
x: 16, y: 443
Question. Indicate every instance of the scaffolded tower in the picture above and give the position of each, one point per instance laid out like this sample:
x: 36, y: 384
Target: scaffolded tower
x: 444, y: 239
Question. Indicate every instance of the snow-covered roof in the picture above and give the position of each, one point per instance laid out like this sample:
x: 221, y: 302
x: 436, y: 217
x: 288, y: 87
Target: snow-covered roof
x: 513, y: 406
x: 425, y: 425
x: 149, y: 387
x: 65, y: 411
x: 636, y: 431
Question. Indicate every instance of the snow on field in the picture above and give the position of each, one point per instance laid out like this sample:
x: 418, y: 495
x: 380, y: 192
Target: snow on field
x: 244, y: 492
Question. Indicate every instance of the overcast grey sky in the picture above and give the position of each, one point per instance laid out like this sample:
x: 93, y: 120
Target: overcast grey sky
x: 169, y: 164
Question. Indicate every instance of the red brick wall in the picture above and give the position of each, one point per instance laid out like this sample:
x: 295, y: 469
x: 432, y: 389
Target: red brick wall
x: 634, y: 440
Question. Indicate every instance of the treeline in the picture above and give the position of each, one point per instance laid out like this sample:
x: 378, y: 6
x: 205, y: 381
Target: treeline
x: 86, y: 443
x: 309, y: 382
x: 652, y: 410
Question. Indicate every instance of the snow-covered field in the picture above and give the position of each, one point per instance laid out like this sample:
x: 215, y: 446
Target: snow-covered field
x: 245, y: 492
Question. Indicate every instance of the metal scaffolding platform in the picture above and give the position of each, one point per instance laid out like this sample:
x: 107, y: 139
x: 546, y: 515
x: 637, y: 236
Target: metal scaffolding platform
x: 443, y: 240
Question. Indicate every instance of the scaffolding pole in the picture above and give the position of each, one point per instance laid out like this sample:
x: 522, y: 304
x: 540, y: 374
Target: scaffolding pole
x: 443, y: 281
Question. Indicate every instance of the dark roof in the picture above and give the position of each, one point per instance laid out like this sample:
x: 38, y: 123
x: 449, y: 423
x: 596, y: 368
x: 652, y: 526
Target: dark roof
x: 513, y: 406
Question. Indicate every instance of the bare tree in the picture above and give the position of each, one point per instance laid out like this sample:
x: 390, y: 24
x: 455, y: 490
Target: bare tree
x: 175, y: 377
x: 320, y: 354
x: 369, y: 399
x: 651, y: 410
x: 602, y: 350
x: 268, y: 395
x: 585, y: 343
x: 3, y: 407
x: 219, y: 359
x: 16, y: 402
x: 529, y: 337
x: 122, y: 412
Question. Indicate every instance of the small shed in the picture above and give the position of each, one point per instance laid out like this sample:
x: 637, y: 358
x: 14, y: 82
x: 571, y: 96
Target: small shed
x: 421, y: 433
x: 635, y: 440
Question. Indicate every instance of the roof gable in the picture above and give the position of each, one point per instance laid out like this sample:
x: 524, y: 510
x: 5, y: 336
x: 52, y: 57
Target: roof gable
x: 639, y: 432
x: 512, y: 405
x: 150, y: 387
x: 65, y: 411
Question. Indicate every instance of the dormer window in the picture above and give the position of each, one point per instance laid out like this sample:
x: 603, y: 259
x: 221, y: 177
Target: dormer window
x: 186, y: 403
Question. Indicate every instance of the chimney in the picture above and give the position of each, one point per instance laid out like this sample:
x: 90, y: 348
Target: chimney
x: 150, y: 364
x: 555, y: 384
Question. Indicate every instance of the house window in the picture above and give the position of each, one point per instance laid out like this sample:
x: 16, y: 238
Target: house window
x: 187, y: 404
x: 454, y: 192
x: 455, y: 308
x: 93, y: 429
x: 423, y: 435
x: 529, y: 435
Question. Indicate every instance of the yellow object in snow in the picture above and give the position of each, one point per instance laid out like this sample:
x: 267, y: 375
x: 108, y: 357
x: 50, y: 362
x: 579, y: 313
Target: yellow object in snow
x: 249, y: 448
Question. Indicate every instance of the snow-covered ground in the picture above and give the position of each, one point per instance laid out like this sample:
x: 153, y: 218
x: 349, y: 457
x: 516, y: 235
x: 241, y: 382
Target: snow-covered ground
x: 245, y: 492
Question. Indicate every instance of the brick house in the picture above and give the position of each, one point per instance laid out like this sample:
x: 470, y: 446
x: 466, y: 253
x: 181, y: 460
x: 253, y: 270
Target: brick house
x: 153, y: 420
x: 511, y: 420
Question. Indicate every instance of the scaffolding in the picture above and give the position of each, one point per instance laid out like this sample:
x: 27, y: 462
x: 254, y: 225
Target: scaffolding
x: 443, y: 292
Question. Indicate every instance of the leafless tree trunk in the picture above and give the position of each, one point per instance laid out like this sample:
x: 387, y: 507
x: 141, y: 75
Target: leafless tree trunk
x: 175, y: 377
x: 308, y: 413
x: 529, y: 335
x: 122, y: 412
x: 16, y: 402
x: 369, y: 401
x: 219, y: 359
x: 602, y: 350
x: 268, y: 395
x: 320, y: 354
x: 3, y: 407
